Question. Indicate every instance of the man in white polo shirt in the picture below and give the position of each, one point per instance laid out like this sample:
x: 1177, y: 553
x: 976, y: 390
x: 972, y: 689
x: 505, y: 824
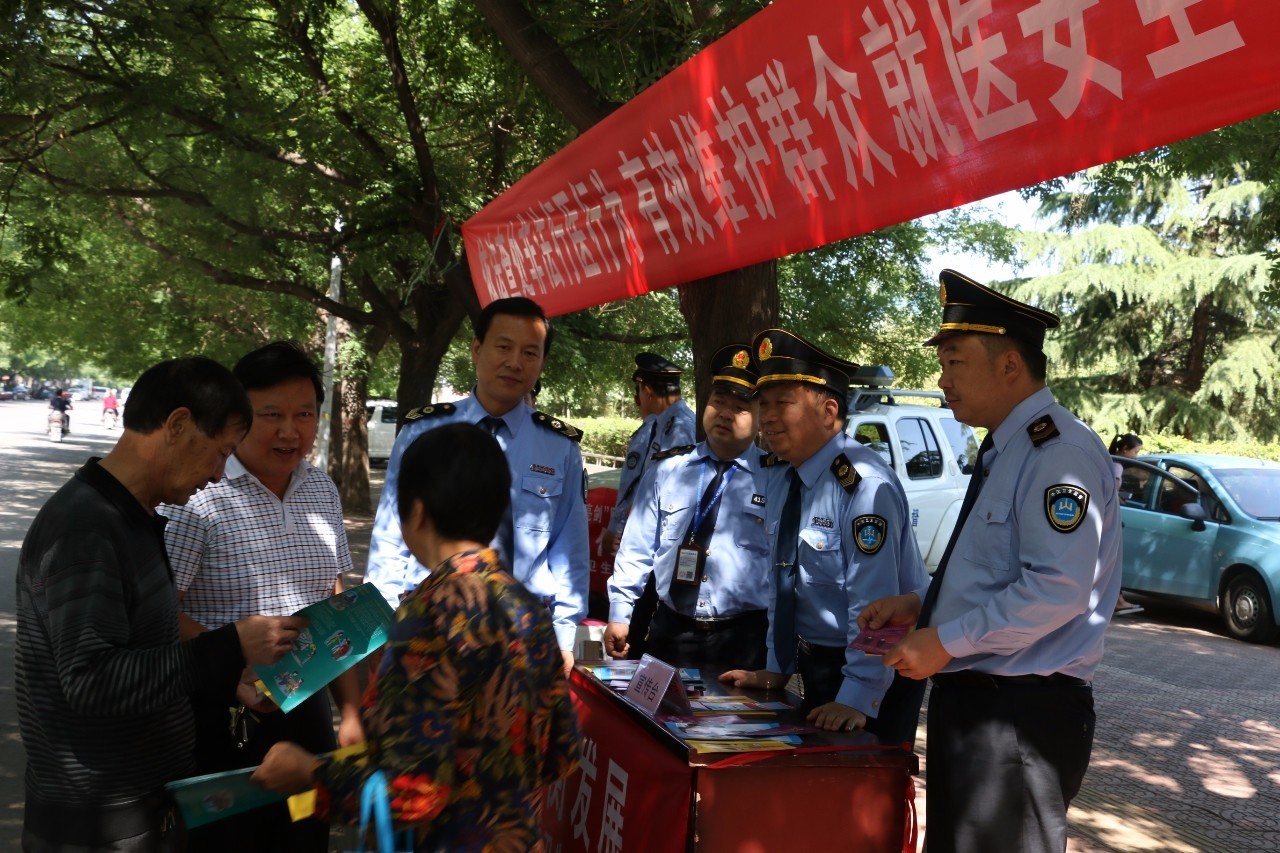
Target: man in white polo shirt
x: 268, y: 538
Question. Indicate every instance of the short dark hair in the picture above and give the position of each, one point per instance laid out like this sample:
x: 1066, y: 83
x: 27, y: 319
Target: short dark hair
x: 277, y: 362
x: 210, y: 391
x: 1032, y: 356
x: 513, y: 306
x: 459, y: 474
x: 1128, y: 441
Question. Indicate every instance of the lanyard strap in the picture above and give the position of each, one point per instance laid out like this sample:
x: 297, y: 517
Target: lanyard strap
x: 700, y: 514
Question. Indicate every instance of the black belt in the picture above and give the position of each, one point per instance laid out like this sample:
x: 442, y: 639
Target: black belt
x: 987, y: 681
x: 96, y: 824
x: 706, y: 626
x: 813, y: 650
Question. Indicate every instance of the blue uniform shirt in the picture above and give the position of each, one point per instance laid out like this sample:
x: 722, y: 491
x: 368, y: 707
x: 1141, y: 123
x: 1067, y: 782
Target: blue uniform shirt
x: 548, y: 527
x: 837, y: 577
x: 674, y: 427
x: 737, y: 567
x: 1034, y: 576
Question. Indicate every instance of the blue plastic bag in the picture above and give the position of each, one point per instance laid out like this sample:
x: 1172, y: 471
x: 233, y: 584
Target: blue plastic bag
x: 373, y: 802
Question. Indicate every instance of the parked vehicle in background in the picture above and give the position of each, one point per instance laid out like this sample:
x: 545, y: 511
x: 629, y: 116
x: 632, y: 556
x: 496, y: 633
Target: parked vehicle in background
x: 20, y: 392
x: 6, y: 394
x: 919, y: 437
x: 1204, y: 531
x: 380, y: 424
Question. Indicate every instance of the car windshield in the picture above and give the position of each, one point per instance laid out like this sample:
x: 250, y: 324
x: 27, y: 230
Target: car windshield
x: 1256, y: 490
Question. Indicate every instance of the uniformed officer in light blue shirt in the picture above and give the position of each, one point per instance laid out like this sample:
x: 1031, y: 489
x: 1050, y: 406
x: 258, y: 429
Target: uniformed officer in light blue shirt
x: 1011, y: 627
x: 667, y: 422
x: 544, y: 539
x: 841, y: 536
x: 697, y: 529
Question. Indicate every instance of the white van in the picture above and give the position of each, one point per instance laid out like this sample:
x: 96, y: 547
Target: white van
x: 931, y: 452
x: 380, y: 422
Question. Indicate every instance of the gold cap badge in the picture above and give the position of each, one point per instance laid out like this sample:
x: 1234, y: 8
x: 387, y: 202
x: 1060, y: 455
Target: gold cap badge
x: 741, y: 359
x: 766, y: 349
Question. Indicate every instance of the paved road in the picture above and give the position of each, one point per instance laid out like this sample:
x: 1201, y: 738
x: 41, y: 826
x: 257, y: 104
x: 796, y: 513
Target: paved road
x: 1187, y: 756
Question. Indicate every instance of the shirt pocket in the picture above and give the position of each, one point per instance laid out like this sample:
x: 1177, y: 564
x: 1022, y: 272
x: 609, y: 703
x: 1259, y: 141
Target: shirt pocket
x: 536, y: 501
x: 989, y: 535
x: 749, y: 532
x: 673, y: 522
x: 821, y: 562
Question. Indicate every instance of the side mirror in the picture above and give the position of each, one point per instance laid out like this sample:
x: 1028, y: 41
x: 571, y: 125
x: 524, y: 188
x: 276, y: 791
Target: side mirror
x: 1196, y: 513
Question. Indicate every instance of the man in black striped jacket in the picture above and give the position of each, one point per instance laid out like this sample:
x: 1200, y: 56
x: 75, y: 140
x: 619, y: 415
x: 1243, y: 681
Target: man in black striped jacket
x: 102, y: 679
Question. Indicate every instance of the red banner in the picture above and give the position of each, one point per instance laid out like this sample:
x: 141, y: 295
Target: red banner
x: 817, y: 121
x: 628, y: 792
x: 600, y: 502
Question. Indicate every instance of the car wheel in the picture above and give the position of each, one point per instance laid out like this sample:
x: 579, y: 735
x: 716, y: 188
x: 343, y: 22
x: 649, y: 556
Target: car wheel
x: 1246, y: 609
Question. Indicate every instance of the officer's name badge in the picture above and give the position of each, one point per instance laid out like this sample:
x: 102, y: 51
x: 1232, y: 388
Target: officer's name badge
x: 826, y: 523
x: 757, y: 500
x: 1065, y: 506
x: 542, y: 469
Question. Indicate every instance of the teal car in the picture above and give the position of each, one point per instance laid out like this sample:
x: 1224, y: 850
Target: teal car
x: 1205, y: 531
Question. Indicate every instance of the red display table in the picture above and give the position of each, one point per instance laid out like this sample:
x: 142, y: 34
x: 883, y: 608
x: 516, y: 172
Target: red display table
x: 641, y: 788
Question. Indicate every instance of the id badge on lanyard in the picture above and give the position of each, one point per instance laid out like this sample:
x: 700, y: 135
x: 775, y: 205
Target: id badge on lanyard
x: 690, y: 560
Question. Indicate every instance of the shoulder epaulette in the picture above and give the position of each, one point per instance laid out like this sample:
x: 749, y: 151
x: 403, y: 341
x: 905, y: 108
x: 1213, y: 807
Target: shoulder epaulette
x: 768, y: 460
x: 429, y: 411
x: 569, y: 431
x: 672, y: 451
x: 1042, y: 430
x: 845, y: 473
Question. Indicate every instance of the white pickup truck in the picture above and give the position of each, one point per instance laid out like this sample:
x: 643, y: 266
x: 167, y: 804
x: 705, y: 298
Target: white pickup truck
x: 931, y: 452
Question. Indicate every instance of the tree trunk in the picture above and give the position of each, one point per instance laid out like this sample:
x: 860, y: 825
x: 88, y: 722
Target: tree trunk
x: 439, y: 316
x: 1197, y: 362
x: 726, y: 309
x: 349, y: 437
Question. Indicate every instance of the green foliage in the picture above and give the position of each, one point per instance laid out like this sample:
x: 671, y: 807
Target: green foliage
x: 1161, y: 284
x: 1178, y: 444
x: 606, y: 436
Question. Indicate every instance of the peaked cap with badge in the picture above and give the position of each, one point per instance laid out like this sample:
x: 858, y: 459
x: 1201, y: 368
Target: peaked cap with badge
x: 733, y: 370
x: 784, y: 357
x: 972, y: 308
x: 656, y: 372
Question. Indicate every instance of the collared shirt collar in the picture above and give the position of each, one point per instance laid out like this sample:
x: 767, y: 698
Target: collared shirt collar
x: 812, y: 468
x: 514, y: 419
x: 235, y: 469
x: 1021, y: 415
x: 747, y: 459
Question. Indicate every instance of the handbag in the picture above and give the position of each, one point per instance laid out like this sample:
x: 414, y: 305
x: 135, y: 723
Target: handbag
x: 373, y: 802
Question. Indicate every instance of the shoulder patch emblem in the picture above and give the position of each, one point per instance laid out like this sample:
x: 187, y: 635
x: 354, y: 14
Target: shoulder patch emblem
x: 673, y: 451
x: 569, y: 431
x: 430, y: 411
x: 1065, y: 506
x: 1042, y: 430
x: 869, y: 533
x: 768, y: 460
x: 633, y: 459
x: 845, y: 473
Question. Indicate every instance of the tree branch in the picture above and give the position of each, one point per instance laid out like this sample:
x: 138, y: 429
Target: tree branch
x: 220, y: 275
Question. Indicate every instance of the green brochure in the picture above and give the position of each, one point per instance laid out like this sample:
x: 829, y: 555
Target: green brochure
x: 343, y: 631
x: 204, y: 799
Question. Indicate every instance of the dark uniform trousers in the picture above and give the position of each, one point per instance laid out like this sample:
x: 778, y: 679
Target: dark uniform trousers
x: 821, y: 669
x: 1006, y: 756
x: 268, y: 829
x: 735, y: 642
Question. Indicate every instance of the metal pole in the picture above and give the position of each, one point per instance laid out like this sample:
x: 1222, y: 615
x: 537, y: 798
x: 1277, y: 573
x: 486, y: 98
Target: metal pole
x: 330, y: 357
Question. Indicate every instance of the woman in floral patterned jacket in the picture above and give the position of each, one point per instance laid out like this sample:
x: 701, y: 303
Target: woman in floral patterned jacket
x: 469, y: 716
